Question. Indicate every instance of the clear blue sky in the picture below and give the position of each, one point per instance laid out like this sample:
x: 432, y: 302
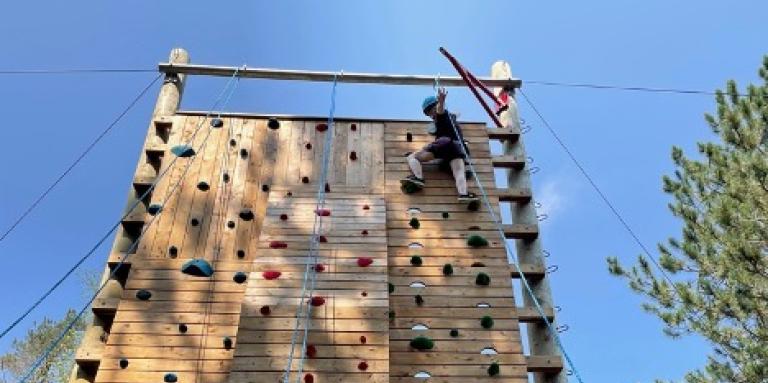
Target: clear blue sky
x: 622, y: 138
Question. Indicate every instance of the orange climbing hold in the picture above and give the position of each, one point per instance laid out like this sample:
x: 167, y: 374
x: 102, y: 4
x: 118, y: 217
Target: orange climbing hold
x: 271, y: 274
x: 278, y: 245
x: 317, y: 301
x: 323, y: 212
x: 364, y: 261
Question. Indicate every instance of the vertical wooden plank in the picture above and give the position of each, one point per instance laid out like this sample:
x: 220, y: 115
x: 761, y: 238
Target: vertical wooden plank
x: 377, y: 157
x: 339, y: 153
x: 238, y: 172
x: 248, y: 229
x: 307, y: 156
x: 354, y: 168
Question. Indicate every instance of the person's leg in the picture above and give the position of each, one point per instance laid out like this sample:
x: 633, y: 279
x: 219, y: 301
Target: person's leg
x: 459, y: 175
x: 415, y: 160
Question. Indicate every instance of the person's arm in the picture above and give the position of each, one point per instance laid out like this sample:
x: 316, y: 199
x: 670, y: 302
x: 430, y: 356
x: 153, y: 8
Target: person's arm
x: 441, y: 94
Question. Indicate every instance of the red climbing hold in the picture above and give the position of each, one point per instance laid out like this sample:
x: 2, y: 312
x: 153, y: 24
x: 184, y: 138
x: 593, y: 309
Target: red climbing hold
x: 323, y: 212
x: 270, y: 275
x: 311, y: 351
x: 265, y: 310
x: 319, y: 268
x: 363, y: 339
x: 364, y: 232
x: 321, y: 127
x: 317, y: 301
x: 278, y: 245
x: 283, y: 217
x: 366, y: 207
x: 323, y: 239
x: 364, y: 261
x: 353, y: 156
x: 308, y: 146
x: 309, y: 378
x: 362, y: 366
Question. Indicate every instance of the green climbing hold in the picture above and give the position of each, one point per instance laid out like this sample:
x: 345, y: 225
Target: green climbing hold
x: 486, y: 322
x: 447, y: 269
x: 446, y: 215
x: 240, y: 277
x: 227, y: 343
x: 170, y: 378
x: 391, y: 288
x: 183, y: 151
x: 143, y: 295
x: 197, y: 267
x: 477, y: 241
x: 493, y: 369
x: 419, y: 300
x: 454, y: 333
x: 154, y: 208
x: 416, y: 260
x: 414, y: 223
x: 482, y: 279
x: 422, y: 343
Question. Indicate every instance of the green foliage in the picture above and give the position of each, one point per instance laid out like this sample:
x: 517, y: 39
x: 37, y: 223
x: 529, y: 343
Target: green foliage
x: 477, y: 241
x: 416, y: 260
x: 482, y: 279
x: 493, y: 369
x: 414, y: 223
x: 717, y: 284
x: 422, y: 343
x: 447, y: 269
x: 486, y: 322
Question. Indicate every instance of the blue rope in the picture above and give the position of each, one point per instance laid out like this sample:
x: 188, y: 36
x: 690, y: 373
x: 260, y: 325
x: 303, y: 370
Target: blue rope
x: 133, y: 246
x: 516, y: 263
x: 314, y: 243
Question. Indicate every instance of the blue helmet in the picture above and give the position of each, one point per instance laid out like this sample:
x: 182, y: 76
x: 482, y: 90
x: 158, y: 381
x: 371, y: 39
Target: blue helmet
x: 428, y: 103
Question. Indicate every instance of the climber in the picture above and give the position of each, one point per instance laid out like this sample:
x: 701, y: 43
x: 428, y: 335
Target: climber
x: 447, y: 146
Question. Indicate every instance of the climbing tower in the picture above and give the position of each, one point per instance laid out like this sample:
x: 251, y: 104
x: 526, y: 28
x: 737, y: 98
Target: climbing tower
x: 262, y: 248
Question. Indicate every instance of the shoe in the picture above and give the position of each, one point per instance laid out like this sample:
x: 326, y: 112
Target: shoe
x: 414, y: 180
x: 471, y: 197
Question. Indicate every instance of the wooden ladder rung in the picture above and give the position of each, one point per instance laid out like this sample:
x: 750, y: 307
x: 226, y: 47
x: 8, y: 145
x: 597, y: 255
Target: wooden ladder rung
x: 515, y: 162
x: 532, y: 272
x: 551, y: 364
x: 504, y: 134
x: 514, y: 195
x: 531, y: 315
x: 520, y: 231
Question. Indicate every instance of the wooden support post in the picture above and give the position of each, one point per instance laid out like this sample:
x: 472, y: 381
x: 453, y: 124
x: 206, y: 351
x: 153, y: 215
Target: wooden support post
x: 529, y: 250
x: 173, y: 86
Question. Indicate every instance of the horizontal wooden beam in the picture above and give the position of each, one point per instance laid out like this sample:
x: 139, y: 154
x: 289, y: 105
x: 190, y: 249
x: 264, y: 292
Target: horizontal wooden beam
x: 504, y: 134
x: 514, y: 195
x: 520, y: 231
x: 550, y: 364
x: 346, y: 77
x: 531, y: 315
x: 508, y: 161
x: 531, y: 272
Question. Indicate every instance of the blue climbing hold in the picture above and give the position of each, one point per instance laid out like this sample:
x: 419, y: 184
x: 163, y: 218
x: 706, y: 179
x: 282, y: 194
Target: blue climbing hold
x: 183, y: 151
x: 170, y: 378
x: 154, y: 208
x: 198, y: 268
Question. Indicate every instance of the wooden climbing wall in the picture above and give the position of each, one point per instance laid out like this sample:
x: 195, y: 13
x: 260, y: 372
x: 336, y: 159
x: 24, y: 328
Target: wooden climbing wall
x: 270, y: 172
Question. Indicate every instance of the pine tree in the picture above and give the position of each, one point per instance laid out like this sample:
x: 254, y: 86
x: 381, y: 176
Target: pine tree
x: 716, y: 274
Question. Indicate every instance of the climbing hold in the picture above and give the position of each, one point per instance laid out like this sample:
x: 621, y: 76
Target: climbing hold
x: 225, y: 177
x: 170, y: 378
x: 232, y: 142
x: 477, y: 241
x: 154, y: 208
x: 416, y: 260
x: 289, y: 194
x: 283, y: 217
x: 317, y: 301
x: 493, y: 369
x: 265, y: 188
x: 446, y: 215
x: 486, y: 322
x: 473, y: 205
x: 353, y: 127
x: 143, y: 295
x: 323, y: 212
x: 321, y: 127
x: 240, y: 277
x: 482, y: 279
x: 217, y: 123
x: 243, y: 153
x: 194, y: 222
x: 454, y: 333
x: 173, y: 252
x: 231, y: 224
x: 477, y: 264
x: 414, y: 223
x: 363, y: 339
x: 419, y: 300
x: 183, y: 328
x: 422, y: 343
x: 305, y: 180
x: 447, y: 269
x: 364, y: 232
x: 353, y: 156
x: 309, y: 378
x: 273, y: 123
x: 183, y: 151
x: 271, y: 275
x: 197, y: 267
x: 227, y: 343
x: 246, y: 214
x: 391, y: 288
x: 311, y: 351
x: 364, y: 261
x: 241, y: 254
x: 308, y: 146
x: 366, y: 207
x: 322, y: 239
x: 203, y: 186
x: 364, y: 294
x: 123, y: 363
x: 391, y: 314
x: 362, y: 366
x: 265, y: 310
x: 409, y: 137
x: 327, y: 188
x: 319, y: 268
